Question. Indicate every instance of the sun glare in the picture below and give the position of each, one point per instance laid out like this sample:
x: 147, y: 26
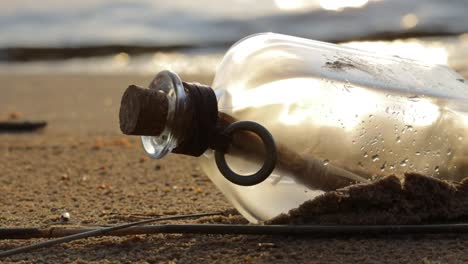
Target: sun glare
x: 291, y: 4
x: 338, y: 5
x: 333, y: 5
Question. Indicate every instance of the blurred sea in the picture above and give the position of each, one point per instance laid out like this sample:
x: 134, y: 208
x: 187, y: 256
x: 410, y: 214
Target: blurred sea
x: 106, y: 36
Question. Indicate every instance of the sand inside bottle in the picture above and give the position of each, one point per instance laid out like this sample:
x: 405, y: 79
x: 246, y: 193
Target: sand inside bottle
x: 415, y: 199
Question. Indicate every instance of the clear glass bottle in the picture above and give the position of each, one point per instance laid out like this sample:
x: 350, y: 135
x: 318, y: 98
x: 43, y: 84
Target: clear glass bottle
x: 362, y: 114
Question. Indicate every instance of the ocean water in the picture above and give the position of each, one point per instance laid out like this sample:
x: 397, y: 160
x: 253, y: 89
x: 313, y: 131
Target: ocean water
x: 451, y: 51
x: 59, y: 23
x: 191, y: 37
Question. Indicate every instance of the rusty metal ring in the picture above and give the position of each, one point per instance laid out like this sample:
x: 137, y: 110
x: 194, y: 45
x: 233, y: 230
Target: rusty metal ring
x: 270, y: 159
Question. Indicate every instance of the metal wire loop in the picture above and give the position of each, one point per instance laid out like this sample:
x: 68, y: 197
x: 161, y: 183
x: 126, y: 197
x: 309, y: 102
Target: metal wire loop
x: 270, y: 151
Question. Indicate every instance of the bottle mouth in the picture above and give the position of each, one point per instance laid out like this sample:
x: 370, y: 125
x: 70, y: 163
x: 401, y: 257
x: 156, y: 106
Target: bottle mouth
x: 169, y: 83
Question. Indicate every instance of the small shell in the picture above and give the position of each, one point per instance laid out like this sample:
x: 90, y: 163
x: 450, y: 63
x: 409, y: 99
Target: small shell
x: 65, y: 217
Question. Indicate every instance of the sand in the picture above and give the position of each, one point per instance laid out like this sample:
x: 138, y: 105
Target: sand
x: 414, y: 199
x: 82, y: 164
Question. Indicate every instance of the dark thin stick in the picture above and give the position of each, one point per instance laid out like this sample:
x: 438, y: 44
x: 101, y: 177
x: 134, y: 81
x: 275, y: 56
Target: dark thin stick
x: 236, y: 229
x: 26, y: 126
x: 96, y: 232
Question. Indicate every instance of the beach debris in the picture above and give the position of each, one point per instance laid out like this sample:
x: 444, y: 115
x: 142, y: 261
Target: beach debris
x: 265, y: 245
x: 84, y: 177
x: 63, y: 235
x: 65, y: 217
x: 98, y: 143
x: 15, y: 115
x: 21, y: 126
x: 65, y: 177
x: 123, y: 142
x: 68, y: 235
x: 105, y: 186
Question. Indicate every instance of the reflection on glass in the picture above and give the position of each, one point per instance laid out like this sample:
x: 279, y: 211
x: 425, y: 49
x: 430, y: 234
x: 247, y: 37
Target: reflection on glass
x: 366, y: 113
x: 430, y: 52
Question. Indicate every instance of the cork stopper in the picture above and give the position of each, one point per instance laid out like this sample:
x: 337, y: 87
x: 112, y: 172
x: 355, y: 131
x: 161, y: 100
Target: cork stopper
x: 143, y: 112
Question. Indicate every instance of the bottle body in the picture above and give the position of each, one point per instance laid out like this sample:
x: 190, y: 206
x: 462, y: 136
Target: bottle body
x: 350, y: 110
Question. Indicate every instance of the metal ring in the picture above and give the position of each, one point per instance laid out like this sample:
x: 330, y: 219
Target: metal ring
x: 270, y: 150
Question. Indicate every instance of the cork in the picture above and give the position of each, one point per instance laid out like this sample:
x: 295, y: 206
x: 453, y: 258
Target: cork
x: 143, y: 112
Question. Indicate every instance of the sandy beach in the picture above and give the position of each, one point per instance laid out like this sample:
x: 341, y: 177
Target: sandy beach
x: 68, y: 64
x: 82, y: 164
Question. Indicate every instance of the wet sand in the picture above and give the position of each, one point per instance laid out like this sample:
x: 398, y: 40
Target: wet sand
x: 82, y: 164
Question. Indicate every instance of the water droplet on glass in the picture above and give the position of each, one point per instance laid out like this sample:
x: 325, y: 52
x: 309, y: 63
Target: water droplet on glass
x: 449, y: 152
x: 325, y: 162
x: 382, y: 168
x: 375, y: 158
x: 460, y: 138
x: 392, y: 167
x: 365, y: 155
x: 398, y: 139
x: 404, y: 162
x: 436, y: 169
x: 418, y: 153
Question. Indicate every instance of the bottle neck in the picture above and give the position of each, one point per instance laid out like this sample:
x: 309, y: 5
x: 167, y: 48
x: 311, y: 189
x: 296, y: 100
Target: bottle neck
x: 198, y: 121
x: 171, y: 116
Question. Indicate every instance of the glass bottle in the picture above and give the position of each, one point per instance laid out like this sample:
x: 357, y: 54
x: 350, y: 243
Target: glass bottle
x: 331, y: 110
